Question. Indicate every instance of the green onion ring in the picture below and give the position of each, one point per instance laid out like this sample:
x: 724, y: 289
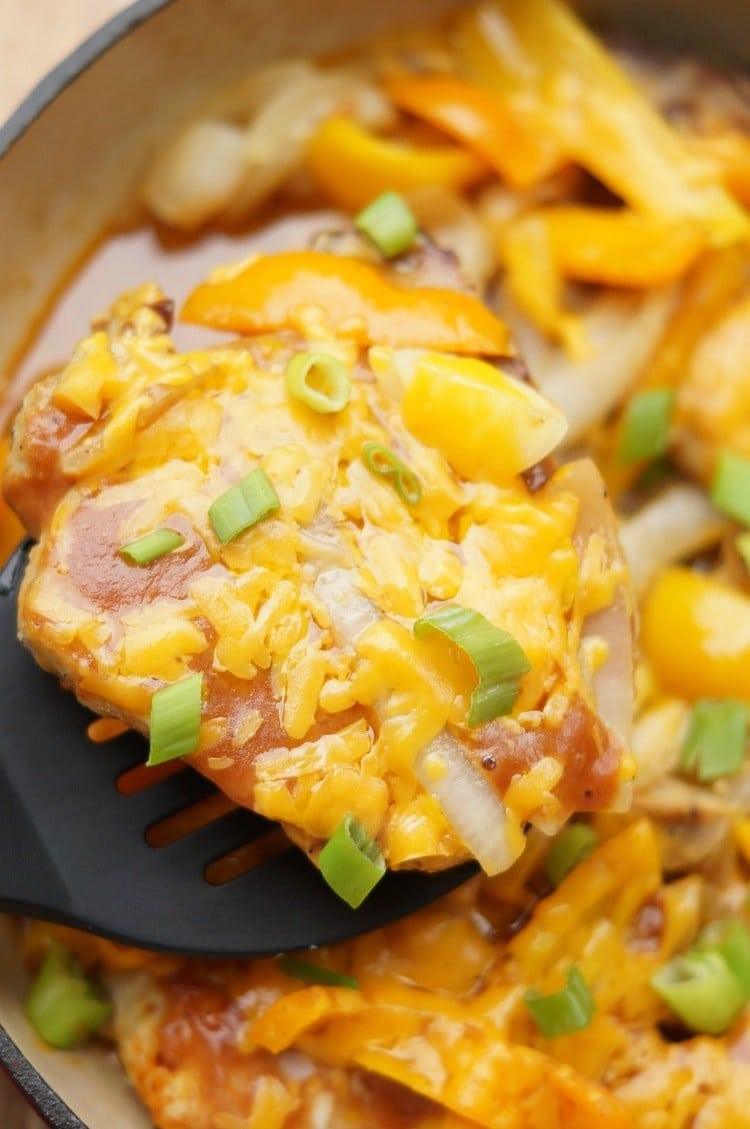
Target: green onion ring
x: 382, y: 462
x: 331, y: 374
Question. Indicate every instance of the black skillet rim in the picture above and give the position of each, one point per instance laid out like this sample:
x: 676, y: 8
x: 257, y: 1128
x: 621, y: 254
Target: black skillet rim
x: 48, y: 1104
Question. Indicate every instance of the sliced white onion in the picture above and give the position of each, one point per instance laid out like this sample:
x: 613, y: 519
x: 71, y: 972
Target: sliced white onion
x: 679, y: 522
x: 612, y: 682
x: 623, y: 329
x: 215, y: 166
x: 349, y: 610
x: 276, y: 141
x: 472, y: 807
x: 196, y: 176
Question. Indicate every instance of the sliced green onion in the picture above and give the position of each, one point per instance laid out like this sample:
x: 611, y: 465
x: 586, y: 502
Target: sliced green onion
x: 562, y: 1013
x: 730, y: 486
x: 175, y: 720
x: 496, y: 656
x: 702, y: 990
x: 715, y: 742
x: 742, y: 544
x: 645, y: 430
x: 390, y: 224
x: 320, y: 381
x: 314, y: 974
x: 574, y: 843
x: 381, y: 461
x: 152, y: 546
x: 243, y: 505
x: 63, y: 1006
x: 351, y: 862
x: 730, y: 938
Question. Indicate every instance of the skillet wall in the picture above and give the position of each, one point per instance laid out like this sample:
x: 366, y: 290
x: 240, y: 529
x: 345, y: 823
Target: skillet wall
x: 69, y: 160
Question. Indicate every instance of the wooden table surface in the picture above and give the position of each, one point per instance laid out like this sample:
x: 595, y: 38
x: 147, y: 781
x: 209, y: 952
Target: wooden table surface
x: 37, y: 34
x: 34, y: 36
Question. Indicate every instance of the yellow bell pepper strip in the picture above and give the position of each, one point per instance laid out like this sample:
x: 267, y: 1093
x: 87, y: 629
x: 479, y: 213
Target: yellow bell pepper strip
x: 489, y: 427
x: 478, y: 120
x: 558, y: 81
x: 695, y: 633
x: 353, y: 166
x: 354, y: 299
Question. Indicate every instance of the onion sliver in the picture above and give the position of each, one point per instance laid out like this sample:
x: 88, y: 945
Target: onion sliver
x: 470, y: 804
x: 350, y: 611
x: 623, y: 330
x: 679, y: 522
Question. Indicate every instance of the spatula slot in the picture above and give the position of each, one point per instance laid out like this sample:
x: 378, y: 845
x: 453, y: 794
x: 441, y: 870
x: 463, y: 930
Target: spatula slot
x: 190, y: 819
x: 140, y: 776
x: 247, y: 857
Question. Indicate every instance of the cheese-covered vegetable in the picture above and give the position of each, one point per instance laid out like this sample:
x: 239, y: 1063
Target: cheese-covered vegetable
x: 312, y: 711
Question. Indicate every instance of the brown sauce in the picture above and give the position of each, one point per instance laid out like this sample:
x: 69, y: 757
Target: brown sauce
x: 103, y: 576
x: 198, y: 1038
x: 232, y: 698
x: 581, y: 742
x: 199, y: 1033
x: 124, y: 260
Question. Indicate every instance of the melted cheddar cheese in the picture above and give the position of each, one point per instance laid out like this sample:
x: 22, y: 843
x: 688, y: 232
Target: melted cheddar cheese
x: 318, y: 698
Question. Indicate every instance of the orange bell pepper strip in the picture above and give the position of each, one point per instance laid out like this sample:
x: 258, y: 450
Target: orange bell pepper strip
x: 606, y: 246
x: 617, y: 247
x: 706, y: 294
x: 355, y: 300
x: 478, y: 119
x: 561, y: 83
x: 353, y: 166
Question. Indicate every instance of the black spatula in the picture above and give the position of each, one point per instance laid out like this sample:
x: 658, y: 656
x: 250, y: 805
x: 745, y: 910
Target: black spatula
x: 73, y: 847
